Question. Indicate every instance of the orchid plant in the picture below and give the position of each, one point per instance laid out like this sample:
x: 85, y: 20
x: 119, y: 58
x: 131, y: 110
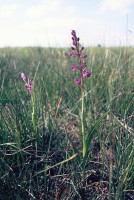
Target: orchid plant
x: 29, y: 85
x: 81, y: 66
x: 77, y: 50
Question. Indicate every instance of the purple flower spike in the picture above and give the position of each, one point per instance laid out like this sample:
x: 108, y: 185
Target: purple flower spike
x: 87, y: 74
x: 77, y: 81
x: 77, y: 50
x: 28, y: 82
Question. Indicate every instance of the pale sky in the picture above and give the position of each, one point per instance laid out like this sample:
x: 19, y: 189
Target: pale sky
x: 49, y: 22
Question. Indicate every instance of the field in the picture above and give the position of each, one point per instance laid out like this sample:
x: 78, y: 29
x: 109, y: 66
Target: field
x: 40, y: 136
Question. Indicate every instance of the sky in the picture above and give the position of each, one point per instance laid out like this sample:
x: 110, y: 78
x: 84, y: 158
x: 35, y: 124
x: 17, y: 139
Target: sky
x: 49, y: 23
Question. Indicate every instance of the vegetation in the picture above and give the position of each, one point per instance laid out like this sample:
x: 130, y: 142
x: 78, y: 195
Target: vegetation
x: 40, y: 139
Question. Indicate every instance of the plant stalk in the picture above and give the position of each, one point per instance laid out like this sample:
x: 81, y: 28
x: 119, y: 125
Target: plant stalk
x: 82, y: 118
x: 33, y: 112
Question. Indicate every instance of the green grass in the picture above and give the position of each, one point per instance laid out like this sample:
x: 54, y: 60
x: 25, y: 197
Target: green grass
x: 34, y: 161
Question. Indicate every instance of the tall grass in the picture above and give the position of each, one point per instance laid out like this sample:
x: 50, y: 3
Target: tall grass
x: 32, y: 160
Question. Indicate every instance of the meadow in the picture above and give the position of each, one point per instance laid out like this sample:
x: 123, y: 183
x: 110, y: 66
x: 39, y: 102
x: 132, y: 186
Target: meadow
x: 40, y: 140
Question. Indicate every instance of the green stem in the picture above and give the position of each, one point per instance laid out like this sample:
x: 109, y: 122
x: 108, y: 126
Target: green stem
x: 82, y: 105
x: 33, y: 111
x: 33, y: 98
x: 82, y: 119
x: 34, y: 119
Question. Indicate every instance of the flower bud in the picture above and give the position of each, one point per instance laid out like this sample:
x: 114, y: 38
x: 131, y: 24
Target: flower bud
x: 72, y: 48
x: 82, y: 48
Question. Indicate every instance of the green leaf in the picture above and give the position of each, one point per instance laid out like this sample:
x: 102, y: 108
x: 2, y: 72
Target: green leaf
x: 60, y: 163
x: 76, y: 151
x: 90, y: 137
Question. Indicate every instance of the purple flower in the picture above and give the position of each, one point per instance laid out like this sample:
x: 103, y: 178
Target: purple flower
x: 77, y: 81
x: 86, y: 73
x: 72, y: 53
x: 83, y: 64
x: 74, y: 67
x: 28, y: 82
x: 84, y: 56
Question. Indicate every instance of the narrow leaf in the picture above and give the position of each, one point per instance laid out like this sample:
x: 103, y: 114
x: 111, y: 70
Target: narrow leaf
x: 74, y: 149
x: 64, y: 161
x: 90, y: 137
